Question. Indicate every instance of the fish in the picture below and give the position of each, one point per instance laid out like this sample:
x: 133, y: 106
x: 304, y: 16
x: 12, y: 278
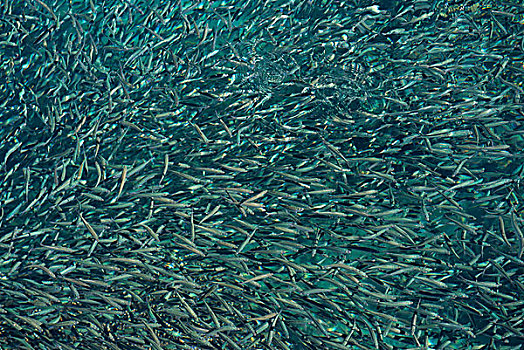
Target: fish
x: 278, y: 175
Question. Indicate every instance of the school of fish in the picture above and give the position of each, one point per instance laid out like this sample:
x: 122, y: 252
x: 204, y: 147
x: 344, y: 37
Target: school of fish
x: 261, y: 174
